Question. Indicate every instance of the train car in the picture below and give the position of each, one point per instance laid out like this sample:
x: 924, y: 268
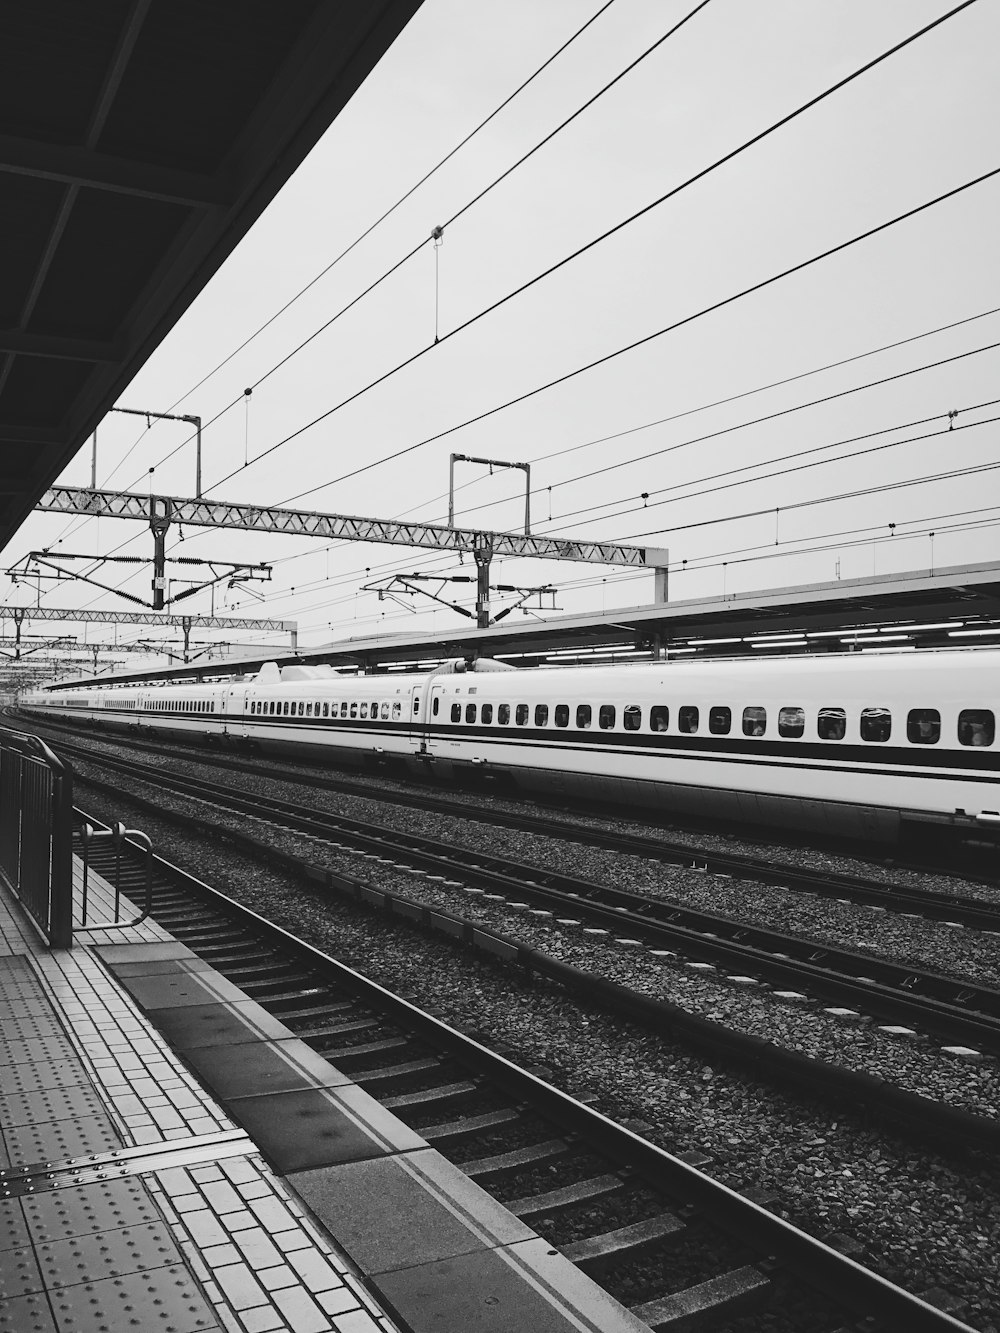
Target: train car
x: 868, y: 746
x: 871, y: 746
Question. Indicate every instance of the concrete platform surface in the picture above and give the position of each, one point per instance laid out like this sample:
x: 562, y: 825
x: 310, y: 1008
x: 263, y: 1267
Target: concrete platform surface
x: 171, y: 1156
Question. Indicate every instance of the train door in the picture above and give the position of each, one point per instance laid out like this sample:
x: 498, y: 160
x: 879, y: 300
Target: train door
x: 234, y: 722
x: 437, y: 715
x: 417, y: 719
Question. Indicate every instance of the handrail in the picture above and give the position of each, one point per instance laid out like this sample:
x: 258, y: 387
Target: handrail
x: 118, y: 833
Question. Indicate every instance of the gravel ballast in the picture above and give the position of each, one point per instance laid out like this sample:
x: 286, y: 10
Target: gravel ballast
x: 922, y: 1221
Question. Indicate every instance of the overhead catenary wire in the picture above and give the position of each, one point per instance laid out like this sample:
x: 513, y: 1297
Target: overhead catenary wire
x: 304, y: 554
x: 648, y: 338
x: 383, y: 217
x: 789, y: 458
x: 438, y: 230
x: 597, y: 240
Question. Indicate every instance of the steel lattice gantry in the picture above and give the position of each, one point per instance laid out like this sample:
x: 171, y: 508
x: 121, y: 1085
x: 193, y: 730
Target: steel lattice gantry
x: 20, y: 614
x: 159, y: 511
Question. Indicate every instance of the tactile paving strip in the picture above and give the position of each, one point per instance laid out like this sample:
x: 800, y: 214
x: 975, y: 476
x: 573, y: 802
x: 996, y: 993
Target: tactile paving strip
x: 27, y: 1314
x: 165, y: 1299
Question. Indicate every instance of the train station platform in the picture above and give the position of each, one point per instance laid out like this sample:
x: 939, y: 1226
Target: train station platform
x: 172, y: 1158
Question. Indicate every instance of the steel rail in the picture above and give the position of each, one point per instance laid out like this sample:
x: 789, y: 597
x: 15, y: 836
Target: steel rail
x: 935, y: 904
x: 961, y: 1011
x: 810, y: 1260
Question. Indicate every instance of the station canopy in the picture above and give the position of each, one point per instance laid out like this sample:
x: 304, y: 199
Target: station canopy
x: 139, y: 141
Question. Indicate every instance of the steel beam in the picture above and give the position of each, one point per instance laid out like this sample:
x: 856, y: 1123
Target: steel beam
x: 341, y: 527
x: 22, y: 613
x: 74, y: 165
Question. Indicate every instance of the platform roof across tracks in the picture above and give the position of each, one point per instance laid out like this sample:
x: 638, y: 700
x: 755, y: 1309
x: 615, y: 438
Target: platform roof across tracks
x: 139, y: 140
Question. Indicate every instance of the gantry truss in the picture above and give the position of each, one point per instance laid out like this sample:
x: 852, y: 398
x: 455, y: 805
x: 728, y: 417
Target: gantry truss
x: 158, y: 511
x: 21, y: 615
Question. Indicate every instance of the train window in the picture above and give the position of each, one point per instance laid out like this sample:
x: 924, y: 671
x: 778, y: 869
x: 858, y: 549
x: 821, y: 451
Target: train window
x: 876, y: 724
x: 456, y: 712
x: 923, y: 726
x: 831, y: 724
x: 687, y: 719
x: 309, y: 709
x: 720, y: 720
x: 541, y: 715
x: 436, y: 705
x: 364, y: 709
x: 383, y: 712
x: 503, y: 714
x: 976, y: 726
x: 354, y: 709
x: 397, y: 711
x: 632, y: 717
x: 791, y: 722
x: 302, y: 708
x: 561, y: 715
x: 374, y: 712
x: 470, y: 712
x: 521, y: 715
x: 606, y: 716
x: 326, y: 710
x: 487, y: 714
x: 754, y: 721
x: 659, y: 717
x: 583, y: 715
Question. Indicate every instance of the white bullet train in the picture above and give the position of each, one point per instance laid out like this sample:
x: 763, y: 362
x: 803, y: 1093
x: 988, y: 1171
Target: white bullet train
x: 872, y: 746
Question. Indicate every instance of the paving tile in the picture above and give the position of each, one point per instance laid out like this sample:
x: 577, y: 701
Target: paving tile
x: 107, y: 1254
x: 166, y: 1299
x: 78, y: 1212
x: 241, y: 1288
x: 301, y: 1311
x: 257, y: 1248
x: 168, y: 990
x: 60, y: 1139
x: 357, y: 1321
x: 27, y: 1314
x: 19, y: 1273
x: 252, y: 1068
x: 338, y: 1300
x: 13, y: 1228
x: 262, y: 1319
x: 389, y: 1213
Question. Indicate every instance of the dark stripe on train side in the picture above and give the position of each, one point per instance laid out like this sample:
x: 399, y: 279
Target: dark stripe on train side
x: 734, y: 747
x: 970, y: 764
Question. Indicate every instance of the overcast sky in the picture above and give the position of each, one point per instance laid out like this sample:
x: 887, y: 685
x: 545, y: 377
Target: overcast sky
x: 916, y: 126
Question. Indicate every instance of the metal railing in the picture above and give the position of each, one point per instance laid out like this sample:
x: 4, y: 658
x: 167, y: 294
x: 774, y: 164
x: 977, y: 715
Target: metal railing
x: 118, y: 835
x: 36, y: 834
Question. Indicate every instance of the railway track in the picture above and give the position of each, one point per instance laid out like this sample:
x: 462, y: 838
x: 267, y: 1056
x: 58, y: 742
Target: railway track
x: 677, y: 1248
x: 935, y: 905
x: 956, y: 1012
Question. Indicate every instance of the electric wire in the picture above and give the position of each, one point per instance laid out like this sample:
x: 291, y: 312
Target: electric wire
x: 378, y: 221
x: 384, y: 276
x: 784, y: 458
x: 597, y: 240
x: 620, y: 351
x: 658, y: 333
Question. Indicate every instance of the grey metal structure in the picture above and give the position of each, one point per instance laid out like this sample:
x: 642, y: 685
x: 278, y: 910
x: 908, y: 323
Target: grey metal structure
x: 159, y: 511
